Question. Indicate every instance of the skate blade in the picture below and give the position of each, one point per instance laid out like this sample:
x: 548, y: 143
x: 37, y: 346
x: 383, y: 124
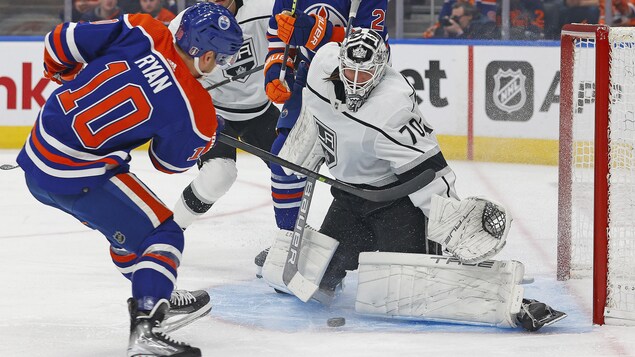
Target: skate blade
x: 184, y: 320
x: 555, y: 317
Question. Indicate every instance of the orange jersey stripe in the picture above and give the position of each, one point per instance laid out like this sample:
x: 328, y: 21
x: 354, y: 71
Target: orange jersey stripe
x: 57, y: 42
x: 61, y: 159
x: 162, y: 258
x: 159, y: 209
x: 122, y: 258
x: 157, y: 165
x: 286, y: 196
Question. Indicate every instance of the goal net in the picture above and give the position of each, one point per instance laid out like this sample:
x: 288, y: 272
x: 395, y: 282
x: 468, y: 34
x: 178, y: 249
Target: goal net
x: 596, y: 218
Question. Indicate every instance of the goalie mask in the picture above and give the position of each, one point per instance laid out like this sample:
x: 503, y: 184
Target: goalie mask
x: 363, y: 57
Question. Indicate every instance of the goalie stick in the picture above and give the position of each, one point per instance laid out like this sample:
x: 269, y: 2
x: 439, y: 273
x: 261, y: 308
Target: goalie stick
x: 375, y: 195
x: 298, y: 284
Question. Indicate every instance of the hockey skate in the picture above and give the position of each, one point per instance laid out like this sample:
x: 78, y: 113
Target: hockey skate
x: 259, y: 260
x: 534, y: 314
x: 147, y: 337
x: 185, y: 308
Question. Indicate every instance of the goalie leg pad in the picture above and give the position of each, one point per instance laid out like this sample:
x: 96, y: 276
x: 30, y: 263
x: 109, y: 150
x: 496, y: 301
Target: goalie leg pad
x: 473, y: 229
x: 439, y: 288
x: 316, y: 252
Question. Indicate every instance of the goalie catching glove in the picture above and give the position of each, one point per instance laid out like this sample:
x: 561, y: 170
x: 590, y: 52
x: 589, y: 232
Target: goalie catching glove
x: 473, y: 229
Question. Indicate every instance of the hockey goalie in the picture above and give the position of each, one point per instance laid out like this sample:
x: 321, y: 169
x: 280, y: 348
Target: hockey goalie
x: 424, y: 256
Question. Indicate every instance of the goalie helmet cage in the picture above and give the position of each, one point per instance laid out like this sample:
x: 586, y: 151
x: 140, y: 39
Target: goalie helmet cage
x: 596, y: 188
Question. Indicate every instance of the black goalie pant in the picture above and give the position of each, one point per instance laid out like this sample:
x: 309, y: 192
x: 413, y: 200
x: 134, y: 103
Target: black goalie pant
x: 259, y: 132
x: 363, y: 226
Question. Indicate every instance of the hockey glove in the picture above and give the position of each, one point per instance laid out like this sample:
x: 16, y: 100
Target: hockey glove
x: 60, y: 72
x: 473, y: 229
x: 311, y: 31
x: 276, y: 90
x: 61, y: 76
x: 291, y: 109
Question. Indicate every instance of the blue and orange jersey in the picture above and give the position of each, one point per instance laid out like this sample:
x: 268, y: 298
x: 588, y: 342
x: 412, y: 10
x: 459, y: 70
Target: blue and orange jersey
x: 371, y: 14
x: 134, y: 88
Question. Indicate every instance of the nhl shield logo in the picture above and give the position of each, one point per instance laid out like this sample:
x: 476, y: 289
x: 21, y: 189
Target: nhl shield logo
x: 509, y: 90
x: 119, y: 237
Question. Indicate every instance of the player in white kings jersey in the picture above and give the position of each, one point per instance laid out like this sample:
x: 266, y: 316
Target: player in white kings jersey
x: 244, y: 106
x: 361, y: 118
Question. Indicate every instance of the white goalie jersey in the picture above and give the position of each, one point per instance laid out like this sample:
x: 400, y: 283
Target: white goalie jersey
x: 244, y: 98
x: 386, y: 137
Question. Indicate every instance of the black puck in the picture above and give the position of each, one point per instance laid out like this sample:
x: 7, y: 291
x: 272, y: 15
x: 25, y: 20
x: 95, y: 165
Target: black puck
x: 336, y: 322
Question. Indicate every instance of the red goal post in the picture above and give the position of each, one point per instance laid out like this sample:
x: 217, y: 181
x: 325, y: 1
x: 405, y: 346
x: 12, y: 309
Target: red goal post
x: 596, y: 195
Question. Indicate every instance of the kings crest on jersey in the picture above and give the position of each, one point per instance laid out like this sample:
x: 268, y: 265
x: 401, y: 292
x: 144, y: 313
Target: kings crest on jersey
x: 130, y: 95
x: 371, y: 14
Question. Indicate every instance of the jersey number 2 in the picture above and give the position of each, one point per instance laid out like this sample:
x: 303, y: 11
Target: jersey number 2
x: 379, y: 16
x: 106, y: 119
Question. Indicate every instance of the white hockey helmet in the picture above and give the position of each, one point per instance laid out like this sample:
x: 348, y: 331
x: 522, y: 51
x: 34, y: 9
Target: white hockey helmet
x: 363, y: 58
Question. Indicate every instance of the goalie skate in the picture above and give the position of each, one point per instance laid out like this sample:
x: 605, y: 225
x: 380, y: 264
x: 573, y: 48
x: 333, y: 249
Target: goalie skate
x: 147, y: 337
x: 534, y: 315
x: 185, y: 308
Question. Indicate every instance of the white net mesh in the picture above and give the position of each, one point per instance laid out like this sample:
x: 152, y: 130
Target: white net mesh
x: 621, y: 251
x: 621, y: 233
x: 582, y: 161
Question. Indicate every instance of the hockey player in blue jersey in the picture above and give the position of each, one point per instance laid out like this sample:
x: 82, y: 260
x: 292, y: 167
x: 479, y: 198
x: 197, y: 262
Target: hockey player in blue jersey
x: 314, y: 24
x: 125, y: 82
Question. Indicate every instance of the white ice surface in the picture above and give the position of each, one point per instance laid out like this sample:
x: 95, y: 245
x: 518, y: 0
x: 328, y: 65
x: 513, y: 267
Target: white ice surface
x: 61, y: 295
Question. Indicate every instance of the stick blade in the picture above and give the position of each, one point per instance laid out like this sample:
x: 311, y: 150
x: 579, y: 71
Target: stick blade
x: 301, y: 287
x: 6, y: 167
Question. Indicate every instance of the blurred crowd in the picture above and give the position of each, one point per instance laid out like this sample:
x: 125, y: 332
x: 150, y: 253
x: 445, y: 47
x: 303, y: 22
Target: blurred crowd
x: 460, y: 19
x: 528, y: 19
x: 96, y: 10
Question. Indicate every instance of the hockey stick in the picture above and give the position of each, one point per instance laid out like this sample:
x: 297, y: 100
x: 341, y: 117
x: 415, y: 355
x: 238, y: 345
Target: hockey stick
x: 375, y: 195
x: 285, y: 56
x: 301, y: 287
x: 352, y: 14
x: 236, y: 77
